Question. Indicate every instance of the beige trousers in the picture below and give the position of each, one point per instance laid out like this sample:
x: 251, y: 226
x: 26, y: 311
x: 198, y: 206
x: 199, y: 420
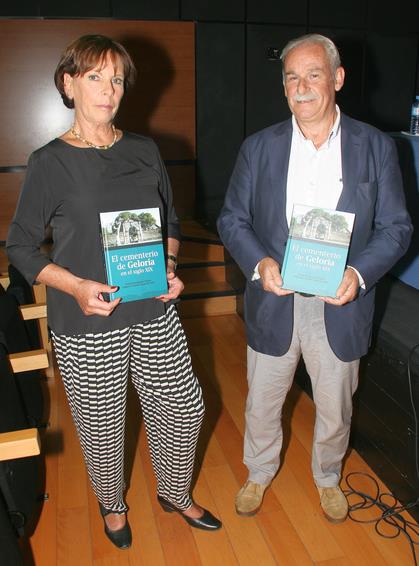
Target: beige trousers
x: 270, y: 378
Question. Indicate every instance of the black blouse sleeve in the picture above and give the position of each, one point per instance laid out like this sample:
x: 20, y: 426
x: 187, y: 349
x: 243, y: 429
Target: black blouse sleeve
x: 33, y: 212
x: 173, y: 227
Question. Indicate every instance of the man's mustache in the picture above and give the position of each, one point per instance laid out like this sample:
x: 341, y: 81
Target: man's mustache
x: 304, y: 97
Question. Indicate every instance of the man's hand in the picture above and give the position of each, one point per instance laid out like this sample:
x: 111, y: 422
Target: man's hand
x: 271, y: 277
x: 347, y: 290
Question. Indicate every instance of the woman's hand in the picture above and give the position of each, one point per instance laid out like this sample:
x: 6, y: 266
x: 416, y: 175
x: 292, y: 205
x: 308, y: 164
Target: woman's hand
x: 175, y: 285
x: 88, y: 294
x: 89, y: 297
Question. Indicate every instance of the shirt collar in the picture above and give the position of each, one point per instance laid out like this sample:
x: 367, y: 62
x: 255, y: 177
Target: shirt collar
x: 333, y: 132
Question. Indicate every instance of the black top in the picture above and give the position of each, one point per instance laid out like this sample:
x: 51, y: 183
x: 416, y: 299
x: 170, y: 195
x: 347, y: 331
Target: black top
x: 66, y: 187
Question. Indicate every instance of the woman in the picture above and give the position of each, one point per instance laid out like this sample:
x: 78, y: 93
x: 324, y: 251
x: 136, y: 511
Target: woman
x: 91, y: 168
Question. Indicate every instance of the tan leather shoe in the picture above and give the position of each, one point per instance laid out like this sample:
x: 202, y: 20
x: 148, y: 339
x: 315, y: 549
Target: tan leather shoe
x: 249, y: 498
x: 334, y: 504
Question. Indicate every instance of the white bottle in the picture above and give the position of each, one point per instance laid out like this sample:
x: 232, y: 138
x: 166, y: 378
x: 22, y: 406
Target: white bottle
x: 414, y: 118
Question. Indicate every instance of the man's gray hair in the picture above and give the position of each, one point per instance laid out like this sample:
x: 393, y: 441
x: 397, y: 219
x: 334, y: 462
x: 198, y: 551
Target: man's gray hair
x: 328, y: 45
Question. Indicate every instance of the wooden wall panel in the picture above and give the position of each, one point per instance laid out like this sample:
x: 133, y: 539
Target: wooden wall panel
x: 161, y: 104
x: 10, y: 184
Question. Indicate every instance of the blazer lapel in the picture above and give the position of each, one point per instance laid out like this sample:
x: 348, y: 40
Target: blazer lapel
x: 351, y: 164
x: 279, y: 153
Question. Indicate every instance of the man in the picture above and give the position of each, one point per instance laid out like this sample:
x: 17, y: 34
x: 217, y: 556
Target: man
x: 320, y: 158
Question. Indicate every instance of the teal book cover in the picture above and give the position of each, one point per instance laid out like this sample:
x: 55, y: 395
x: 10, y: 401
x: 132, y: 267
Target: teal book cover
x: 316, y: 250
x: 134, y: 253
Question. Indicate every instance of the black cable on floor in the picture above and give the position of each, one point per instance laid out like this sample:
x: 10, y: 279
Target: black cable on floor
x: 415, y: 410
x: 389, y: 511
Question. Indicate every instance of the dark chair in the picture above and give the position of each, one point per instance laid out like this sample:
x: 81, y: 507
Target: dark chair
x: 19, y: 468
x: 14, y: 335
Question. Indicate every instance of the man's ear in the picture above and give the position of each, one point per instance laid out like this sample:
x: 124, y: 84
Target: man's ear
x: 339, y: 78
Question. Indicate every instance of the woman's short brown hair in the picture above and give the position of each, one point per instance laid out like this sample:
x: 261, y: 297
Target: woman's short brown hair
x: 84, y: 54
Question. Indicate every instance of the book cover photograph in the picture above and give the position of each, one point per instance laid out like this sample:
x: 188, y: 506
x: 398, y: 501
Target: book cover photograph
x: 134, y: 253
x: 316, y: 250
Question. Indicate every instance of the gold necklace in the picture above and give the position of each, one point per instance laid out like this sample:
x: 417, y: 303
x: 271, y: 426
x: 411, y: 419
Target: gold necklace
x: 90, y: 144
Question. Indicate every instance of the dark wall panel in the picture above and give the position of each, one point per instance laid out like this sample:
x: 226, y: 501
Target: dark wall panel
x: 266, y: 103
x: 390, y: 80
x: 19, y: 8
x: 146, y: 9
x: 182, y: 178
x: 345, y: 13
x: 219, y: 10
x: 351, y: 45
x: 277, y: 11
x: 395, y: 17
x: 220, y: 108
x: 75, y: 9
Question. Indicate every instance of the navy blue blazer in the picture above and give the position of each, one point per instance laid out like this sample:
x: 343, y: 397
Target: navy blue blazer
x: 253, y: 224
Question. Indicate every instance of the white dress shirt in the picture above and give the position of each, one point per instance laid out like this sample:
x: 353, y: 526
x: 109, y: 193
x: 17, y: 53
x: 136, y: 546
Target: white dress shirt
x: 314, y: 175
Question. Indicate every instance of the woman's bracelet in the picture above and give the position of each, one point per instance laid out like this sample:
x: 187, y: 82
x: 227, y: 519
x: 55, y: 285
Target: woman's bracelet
x: 172, y: 258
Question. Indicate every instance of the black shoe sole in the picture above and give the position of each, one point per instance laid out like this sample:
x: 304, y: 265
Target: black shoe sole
x: 207, y: 522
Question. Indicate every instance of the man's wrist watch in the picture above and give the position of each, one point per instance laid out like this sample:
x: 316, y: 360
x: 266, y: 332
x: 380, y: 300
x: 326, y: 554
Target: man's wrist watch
x: 172, y: 258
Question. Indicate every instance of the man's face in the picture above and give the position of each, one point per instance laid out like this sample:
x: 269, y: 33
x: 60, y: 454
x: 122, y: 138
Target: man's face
x: 310, y: 85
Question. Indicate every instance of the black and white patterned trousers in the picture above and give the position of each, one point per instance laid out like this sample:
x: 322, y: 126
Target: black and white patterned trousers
x: 95, y: 368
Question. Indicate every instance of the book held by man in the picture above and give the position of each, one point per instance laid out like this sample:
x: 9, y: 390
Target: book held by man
x: 316, y: 250
x: 134, y: 254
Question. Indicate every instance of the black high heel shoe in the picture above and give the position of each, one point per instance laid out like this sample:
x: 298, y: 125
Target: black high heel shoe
x: 206, y: 521
x: 122, y: 538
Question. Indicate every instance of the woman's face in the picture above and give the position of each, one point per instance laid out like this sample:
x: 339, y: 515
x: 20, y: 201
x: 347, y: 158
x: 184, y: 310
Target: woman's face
x: 97, y: 94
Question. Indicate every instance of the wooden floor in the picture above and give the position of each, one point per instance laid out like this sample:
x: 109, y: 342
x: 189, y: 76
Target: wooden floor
x: 289, y: 530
